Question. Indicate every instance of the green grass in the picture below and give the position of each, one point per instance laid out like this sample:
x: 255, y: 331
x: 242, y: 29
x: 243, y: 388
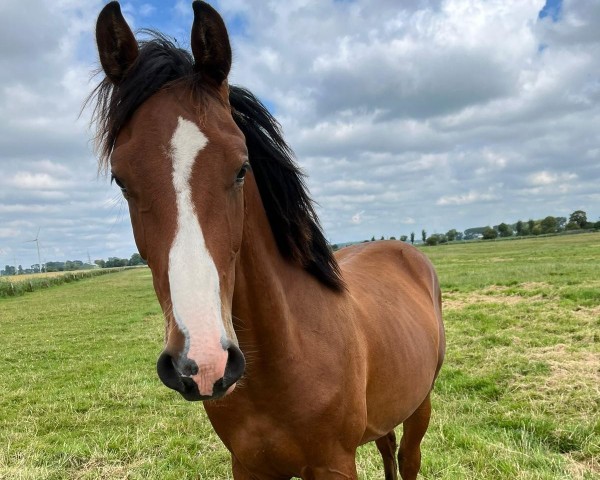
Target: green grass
x: 518, y: 397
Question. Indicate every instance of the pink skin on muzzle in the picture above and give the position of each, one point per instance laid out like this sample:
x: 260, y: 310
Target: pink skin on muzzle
x: 211, y: 359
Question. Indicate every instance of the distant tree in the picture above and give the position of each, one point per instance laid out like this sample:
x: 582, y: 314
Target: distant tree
x: 35, y: 268
x: 597, y: 225
x: 561, y: 223
x: 55, y: 266
x: 579, y: 217
x: 136, y: 258
x: 20, y: 270
x: 412, y: 237
x: 519, y: 228
x: 392, y: 238
x: 9, y: 270
x: 451, y: 235
x: 537, y: 230
x: 505, y: 230
x: 73, y: 265
x: 382, y: 238
x: 116, y: 262
x: 572, y: 226
x: 373, y: 238
x: 403, y: 238
x: 424, y: 235
x: 489, y: 233
x: 101, y: 263
x: 334, y: 247
x: 471, y: 233
x: 549, y: 225
x: 531, y: 224
x: 432, y: 240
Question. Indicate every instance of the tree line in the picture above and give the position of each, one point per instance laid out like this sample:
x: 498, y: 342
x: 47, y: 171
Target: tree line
x: 548, y: 225
x: 74, y: 265
x: 135, y: 260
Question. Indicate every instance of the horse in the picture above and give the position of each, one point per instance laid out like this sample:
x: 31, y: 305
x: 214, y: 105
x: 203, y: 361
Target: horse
x: 299, y: 355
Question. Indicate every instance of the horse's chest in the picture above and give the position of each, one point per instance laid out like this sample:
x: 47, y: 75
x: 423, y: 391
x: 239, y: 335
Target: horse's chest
x: 262, y: 445
x: 285, y: 440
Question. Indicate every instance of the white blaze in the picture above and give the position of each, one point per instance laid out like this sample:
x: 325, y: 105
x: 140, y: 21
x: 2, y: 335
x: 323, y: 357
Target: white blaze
x: 193, y: 276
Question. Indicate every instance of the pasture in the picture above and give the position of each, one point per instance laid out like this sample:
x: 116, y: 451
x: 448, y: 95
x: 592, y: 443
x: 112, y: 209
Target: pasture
x: 518, y: 397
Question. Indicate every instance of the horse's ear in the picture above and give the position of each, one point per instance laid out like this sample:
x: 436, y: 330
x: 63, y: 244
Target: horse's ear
x: 117, y: 45
x: 210, y: 43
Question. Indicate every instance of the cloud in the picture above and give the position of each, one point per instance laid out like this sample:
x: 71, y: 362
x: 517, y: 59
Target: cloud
x: 467, y: 198
x: 550, y: 178
x: 36, y: 181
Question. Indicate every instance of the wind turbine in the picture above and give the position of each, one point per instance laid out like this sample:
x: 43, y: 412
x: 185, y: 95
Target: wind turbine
x: 37, y: 243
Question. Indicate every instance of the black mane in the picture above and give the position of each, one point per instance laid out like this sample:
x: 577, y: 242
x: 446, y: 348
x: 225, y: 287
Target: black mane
x: 289, y: 208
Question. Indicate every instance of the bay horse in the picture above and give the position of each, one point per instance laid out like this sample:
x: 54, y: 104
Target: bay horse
x: 341, y: 349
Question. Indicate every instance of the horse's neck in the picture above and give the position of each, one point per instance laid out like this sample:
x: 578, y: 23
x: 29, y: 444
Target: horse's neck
x: 271, y: 293
x: 260, y: 305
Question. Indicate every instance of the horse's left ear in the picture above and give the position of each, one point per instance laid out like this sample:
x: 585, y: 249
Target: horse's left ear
x: 210, y: 43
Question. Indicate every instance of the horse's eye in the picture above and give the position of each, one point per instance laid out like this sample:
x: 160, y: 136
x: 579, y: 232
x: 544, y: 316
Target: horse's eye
x: 242, y: 173
x: 119, y: 184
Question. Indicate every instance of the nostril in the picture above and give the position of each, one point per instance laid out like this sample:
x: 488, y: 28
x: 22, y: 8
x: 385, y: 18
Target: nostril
x: 167, y: 372
x: 236, y: 364
x: 169, y: 375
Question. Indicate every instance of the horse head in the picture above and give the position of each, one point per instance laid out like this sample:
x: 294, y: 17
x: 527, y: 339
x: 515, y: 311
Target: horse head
x: 180, y: 160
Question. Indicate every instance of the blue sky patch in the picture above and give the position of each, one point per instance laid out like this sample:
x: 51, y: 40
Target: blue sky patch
x: 552, y: 9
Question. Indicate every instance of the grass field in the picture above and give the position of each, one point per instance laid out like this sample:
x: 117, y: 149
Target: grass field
x: 518, y: 397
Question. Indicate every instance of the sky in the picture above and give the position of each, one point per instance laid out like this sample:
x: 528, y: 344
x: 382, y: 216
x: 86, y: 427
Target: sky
x: 405, y: 115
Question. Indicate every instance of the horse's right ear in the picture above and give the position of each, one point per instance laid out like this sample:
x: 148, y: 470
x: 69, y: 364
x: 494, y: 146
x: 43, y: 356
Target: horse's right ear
x: 117, y: 45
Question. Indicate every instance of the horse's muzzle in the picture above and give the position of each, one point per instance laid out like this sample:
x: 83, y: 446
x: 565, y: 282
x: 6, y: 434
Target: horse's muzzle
x: 187, y: 387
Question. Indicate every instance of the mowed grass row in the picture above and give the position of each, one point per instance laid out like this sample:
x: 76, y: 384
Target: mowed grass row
x: 15, y: 285
x: 518, y: 396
